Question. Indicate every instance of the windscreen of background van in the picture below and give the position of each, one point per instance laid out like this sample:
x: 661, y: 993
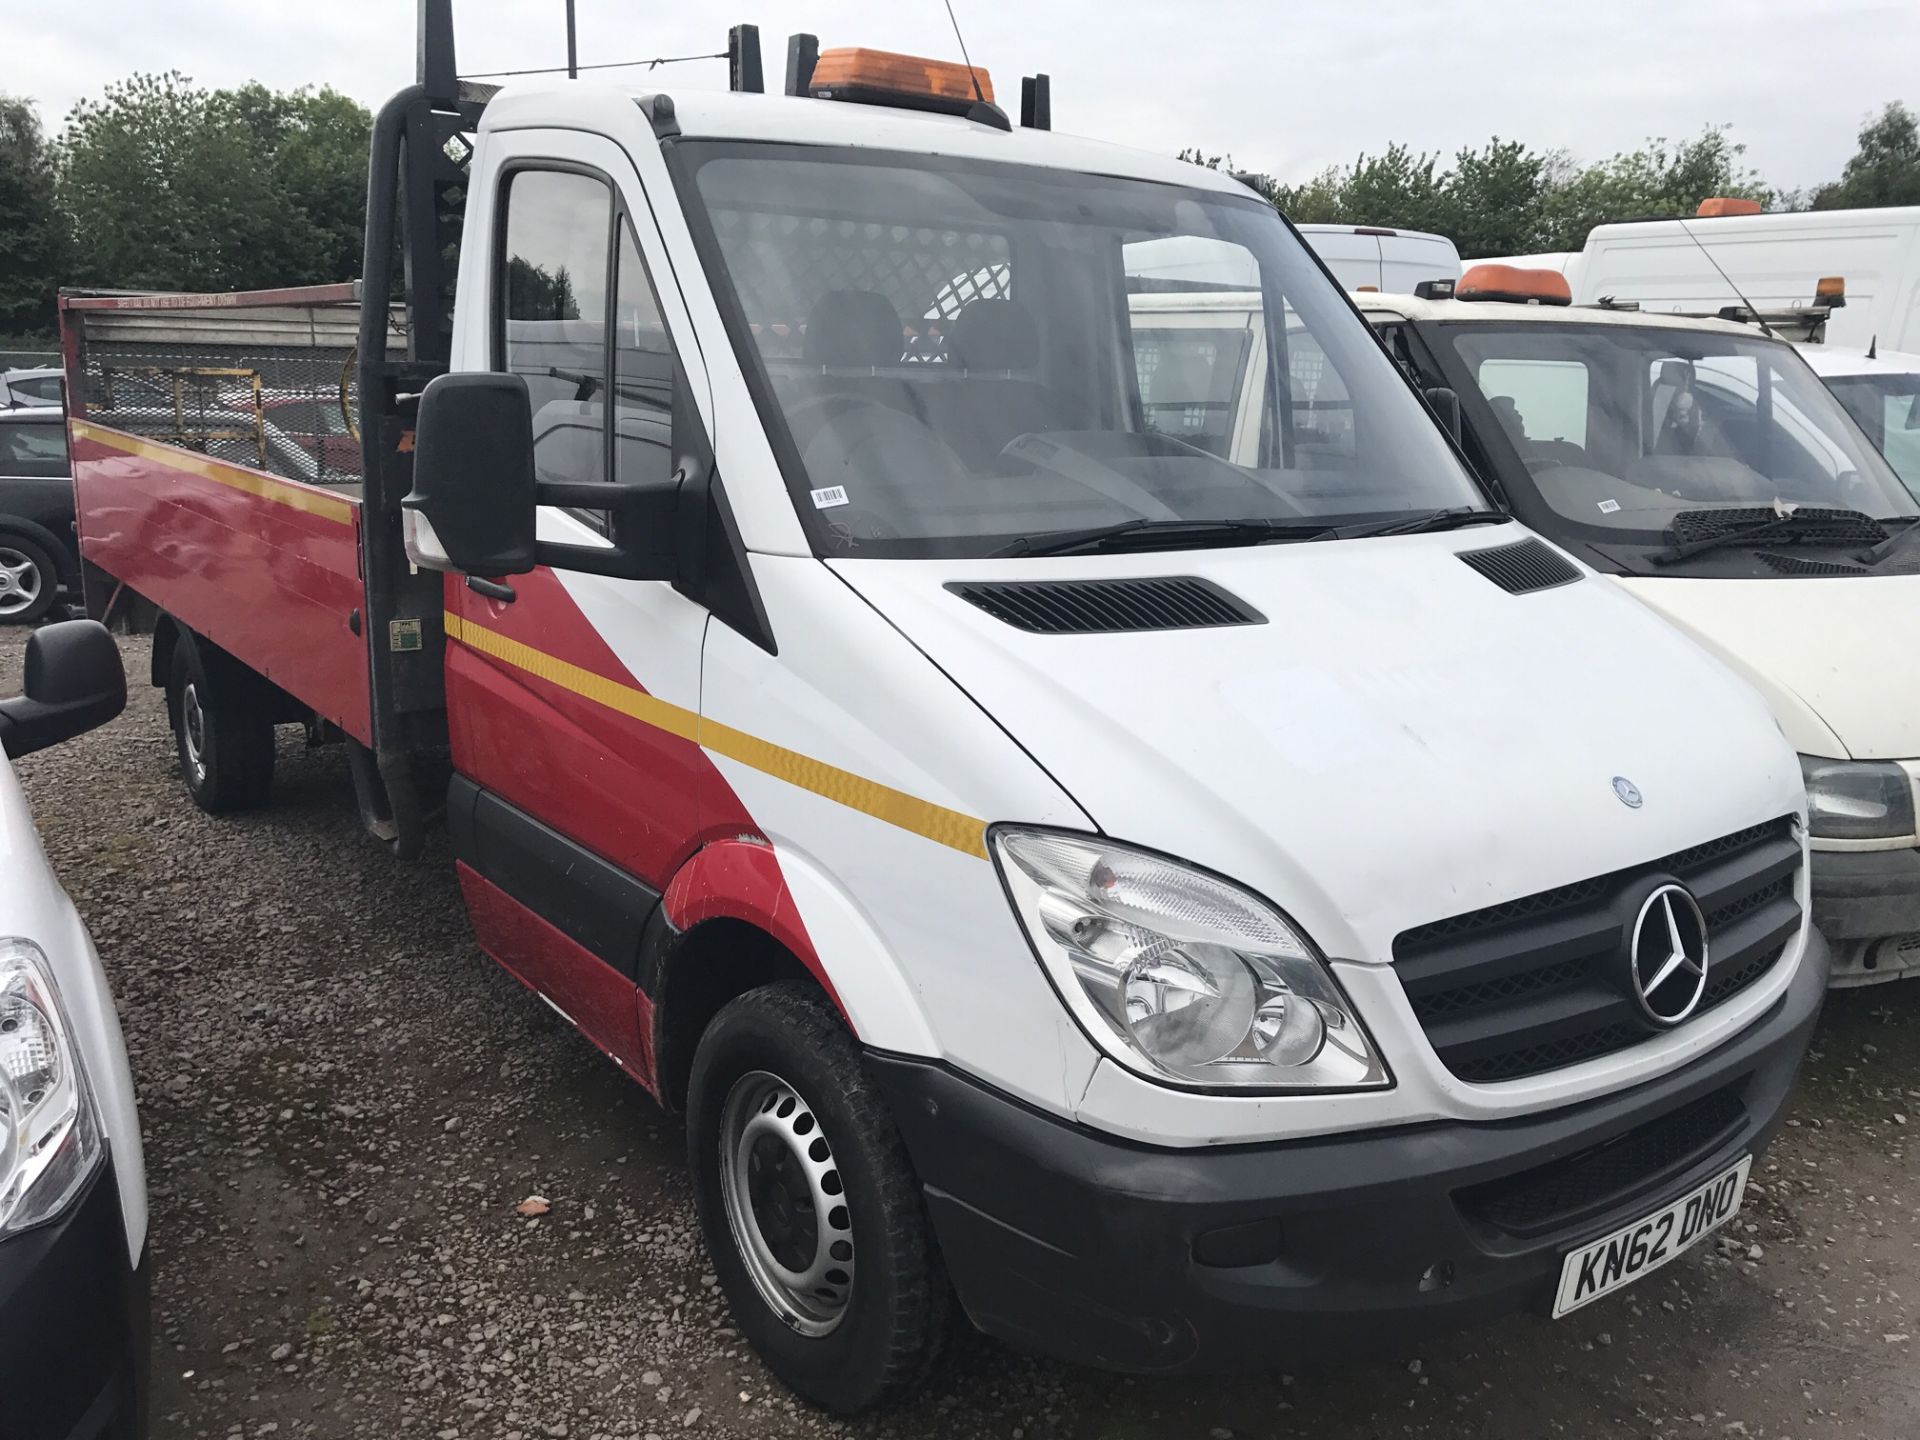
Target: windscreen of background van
x: 954, y: 355
x: 1625, y: 427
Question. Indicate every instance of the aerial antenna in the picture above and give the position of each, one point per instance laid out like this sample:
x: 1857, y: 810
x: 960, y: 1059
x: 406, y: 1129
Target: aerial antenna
x: 971, y: 74
x: 1873, y: 348
x: 1765, y: 329
x: 573, y: 45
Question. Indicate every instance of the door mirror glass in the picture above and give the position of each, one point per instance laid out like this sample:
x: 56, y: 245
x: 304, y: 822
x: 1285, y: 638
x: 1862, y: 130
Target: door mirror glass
x: 74, y: 682
x: 472, y: 503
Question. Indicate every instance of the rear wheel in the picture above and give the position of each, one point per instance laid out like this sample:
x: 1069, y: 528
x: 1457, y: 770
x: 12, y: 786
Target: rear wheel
x: 28, y: 579
x: 225, y: 749
x: 809, y: 1204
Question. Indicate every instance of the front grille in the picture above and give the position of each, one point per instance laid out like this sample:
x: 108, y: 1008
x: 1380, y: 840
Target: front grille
x: 1539, y: 983
x: 1561, y: 1192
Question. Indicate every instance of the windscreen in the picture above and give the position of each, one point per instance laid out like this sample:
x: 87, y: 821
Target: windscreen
x: 954, y: 356
x: 1624, y: 427
x: 1887, y: 408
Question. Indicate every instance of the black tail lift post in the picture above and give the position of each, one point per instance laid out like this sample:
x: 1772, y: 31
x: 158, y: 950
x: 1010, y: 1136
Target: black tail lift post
x: 416, y: 188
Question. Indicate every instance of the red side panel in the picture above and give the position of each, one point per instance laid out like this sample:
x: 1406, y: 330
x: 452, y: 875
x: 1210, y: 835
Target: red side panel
x: 642, y: 797
x: 600, y: 1001
x: 266, y: 568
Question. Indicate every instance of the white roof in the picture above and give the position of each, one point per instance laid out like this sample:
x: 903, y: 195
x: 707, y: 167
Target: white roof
x: 1772, y: 223
x: 1384, y: 232
x: 1837, y: 360
x: 720, y: 114
x: 1506, y: 312
x: 22, y: 413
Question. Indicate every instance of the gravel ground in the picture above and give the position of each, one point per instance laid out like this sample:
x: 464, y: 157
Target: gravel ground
x: 344, y: 1102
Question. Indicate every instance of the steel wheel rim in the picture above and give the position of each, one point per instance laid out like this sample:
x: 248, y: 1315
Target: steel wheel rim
x: 193, y: 731
x: 785, y: 1203
x: 20, y: 581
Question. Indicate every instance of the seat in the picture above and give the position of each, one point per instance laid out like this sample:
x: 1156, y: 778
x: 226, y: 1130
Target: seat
x: 854, y: 329
x: 986, y: 400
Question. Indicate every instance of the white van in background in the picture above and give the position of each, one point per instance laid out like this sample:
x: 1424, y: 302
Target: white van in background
x: 1371, y: 256
x: 1772, y: 260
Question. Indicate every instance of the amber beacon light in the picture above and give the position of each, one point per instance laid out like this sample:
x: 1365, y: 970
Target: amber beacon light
x: 880, y: 77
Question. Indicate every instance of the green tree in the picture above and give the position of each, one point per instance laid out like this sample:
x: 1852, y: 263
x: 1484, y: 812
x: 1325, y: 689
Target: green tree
x: 172, y: 187
x: 1885, y: 170
x: 315, y: 145
x: 32, y: 232
x: 1659, y: 180
x: 1493, y: 198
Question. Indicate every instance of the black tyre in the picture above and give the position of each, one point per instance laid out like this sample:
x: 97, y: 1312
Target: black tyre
x: 225, y: 745
x: 810, y: 1208
x: 29, y: 577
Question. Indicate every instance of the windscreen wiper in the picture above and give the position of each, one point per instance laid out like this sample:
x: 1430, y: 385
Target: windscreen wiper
x: 1896, y: 541
x: 1454, y: 519
x: 1146, y: 534
x: 1803, y: 527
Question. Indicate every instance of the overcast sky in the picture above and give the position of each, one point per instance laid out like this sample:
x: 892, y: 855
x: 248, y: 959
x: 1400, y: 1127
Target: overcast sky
x: 1285, y: 86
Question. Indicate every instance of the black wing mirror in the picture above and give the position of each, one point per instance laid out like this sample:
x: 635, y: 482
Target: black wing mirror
x: 75, y: 681
x: 1446, y: 409
x: 471, y: 506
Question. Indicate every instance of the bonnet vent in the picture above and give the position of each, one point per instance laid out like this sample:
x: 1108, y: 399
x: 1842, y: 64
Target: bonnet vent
x: 1522, y: 567
x: 1107, y: 607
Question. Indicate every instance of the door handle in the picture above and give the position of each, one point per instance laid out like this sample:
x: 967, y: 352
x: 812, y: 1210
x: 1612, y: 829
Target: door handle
x: 492, y: 589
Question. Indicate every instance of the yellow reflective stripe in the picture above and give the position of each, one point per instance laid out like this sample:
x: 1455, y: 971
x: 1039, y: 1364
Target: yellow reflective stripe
x: 264, y: 487
x: 965, y: 833
x: 597, y: 688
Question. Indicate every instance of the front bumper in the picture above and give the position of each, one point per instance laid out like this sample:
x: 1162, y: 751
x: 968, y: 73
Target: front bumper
x: 73, y: 1325
x: 1867, y: 904
x: 1095, y: 1250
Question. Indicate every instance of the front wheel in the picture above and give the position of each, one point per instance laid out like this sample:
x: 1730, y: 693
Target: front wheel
x: 809, y: 1205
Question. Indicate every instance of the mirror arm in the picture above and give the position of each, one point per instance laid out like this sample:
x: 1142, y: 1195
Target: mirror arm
x: 604, y: 495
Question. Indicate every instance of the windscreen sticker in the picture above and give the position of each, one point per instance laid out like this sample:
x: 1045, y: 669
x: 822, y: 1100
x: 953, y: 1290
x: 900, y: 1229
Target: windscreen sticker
x: 830, y: 496
x: 1609, y: 507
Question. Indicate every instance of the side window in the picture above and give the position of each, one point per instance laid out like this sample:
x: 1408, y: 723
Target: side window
x: 554, y: 317
x: 1538, y: 400
x: 1322, y: 409
x: 1195, y: 305
x: 1725, y: 418
x: 643, y: 373
x: 33, y: 450
x: 1189, y: 380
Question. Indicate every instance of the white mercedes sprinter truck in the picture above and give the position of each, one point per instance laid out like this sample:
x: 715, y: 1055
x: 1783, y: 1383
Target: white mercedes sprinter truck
x: 1202, y: 896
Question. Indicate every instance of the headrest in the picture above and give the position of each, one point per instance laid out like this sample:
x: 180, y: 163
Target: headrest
x: 993, y: 335
x: 854, y: 327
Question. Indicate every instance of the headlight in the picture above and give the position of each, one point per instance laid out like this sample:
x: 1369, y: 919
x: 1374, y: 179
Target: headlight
x: 1179, y: 975
x: 49, y: 1136
x: 1857, y: 799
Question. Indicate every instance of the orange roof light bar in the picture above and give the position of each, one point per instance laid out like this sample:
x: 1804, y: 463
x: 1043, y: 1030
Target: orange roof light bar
x: 1514, y: 283
x: 1717, y: 206
x: 1830, y: 291
x: 881, y: 77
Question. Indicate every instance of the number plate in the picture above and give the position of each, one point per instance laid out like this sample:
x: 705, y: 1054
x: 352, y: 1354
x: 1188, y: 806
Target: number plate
x: 1634, y: 1250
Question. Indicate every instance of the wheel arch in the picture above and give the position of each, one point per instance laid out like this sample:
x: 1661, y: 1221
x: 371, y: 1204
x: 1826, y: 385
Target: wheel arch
x: 740, y: 913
